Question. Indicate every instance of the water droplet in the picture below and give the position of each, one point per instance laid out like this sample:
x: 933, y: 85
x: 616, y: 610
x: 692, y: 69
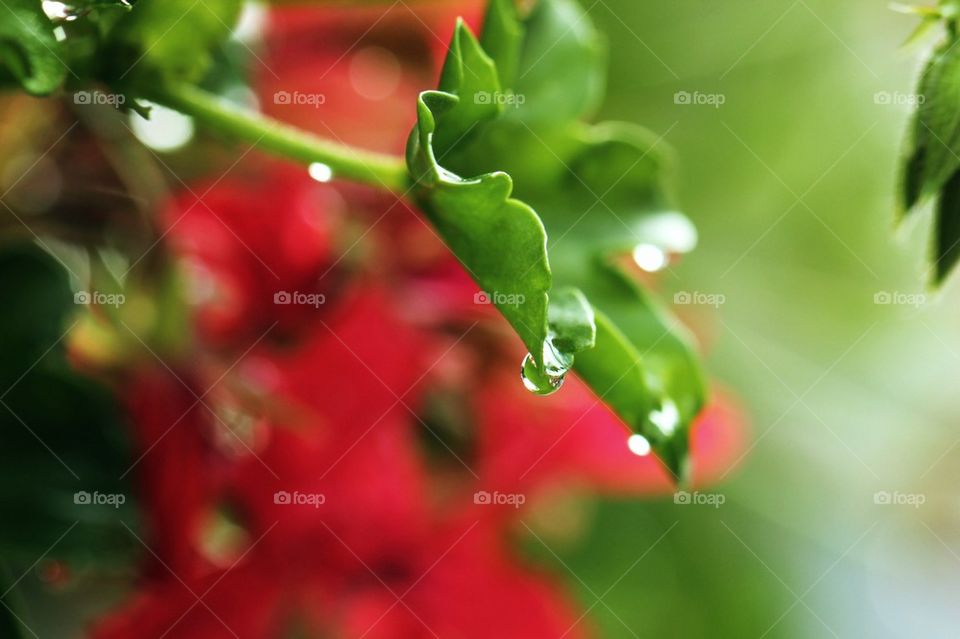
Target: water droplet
x: 650, y: 257
x: 57, y: 10
x: 320, y: 172
x: 638, y: 445
x: 671, y: 231
x: 539, y: 382
x: 666, y: 418
x: 166, y: 130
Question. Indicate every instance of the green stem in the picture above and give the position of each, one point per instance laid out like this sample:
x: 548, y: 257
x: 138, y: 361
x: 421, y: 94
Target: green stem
x: 231, y: 121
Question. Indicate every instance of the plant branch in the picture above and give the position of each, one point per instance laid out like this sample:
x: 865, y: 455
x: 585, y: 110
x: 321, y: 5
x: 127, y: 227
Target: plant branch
x: 237, y: 123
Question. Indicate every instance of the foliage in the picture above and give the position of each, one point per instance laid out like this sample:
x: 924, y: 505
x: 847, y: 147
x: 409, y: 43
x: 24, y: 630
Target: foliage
x: 931, y: 169
x: 514, y: 106
x: 40, y: 501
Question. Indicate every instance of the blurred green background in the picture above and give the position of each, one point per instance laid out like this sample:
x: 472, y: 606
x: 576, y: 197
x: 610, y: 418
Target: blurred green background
x: 791, y: 182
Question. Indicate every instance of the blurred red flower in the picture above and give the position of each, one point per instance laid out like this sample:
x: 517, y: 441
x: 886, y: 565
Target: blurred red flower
x: 249, y: 244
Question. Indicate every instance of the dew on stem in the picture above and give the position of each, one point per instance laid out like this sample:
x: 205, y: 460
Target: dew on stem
x: 320, y: 172
x: 639, y: 445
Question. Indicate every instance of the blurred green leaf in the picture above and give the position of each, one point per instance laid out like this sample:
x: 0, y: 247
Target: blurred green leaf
x: 947, y: 247
x: 562, y: 66
x: 29, y: 51
x: 10, y: 626
x: 936, y: 136
x: 933, y: 161
x: 170, y: 40
x: 60, y: 431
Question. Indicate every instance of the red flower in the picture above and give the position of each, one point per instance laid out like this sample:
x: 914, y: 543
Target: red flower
x: 174, y: 463
x: 248, y: 253
x: 338, y: 508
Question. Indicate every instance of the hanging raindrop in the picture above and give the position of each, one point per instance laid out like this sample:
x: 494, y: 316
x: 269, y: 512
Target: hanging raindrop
x: 550, y: 379
x: 536, y: 381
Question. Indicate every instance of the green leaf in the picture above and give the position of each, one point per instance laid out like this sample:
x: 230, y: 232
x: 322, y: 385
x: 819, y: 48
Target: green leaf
x: 561, y: 72
x: 470, y: 75
x: 502, y: 37
x: 168, y: 40
x: 499, y: 240
x: 932, y: 164
x: 29, y: 51
x: 61, y: 432
x: 935, y: 155
x: 598, y: 192
x: 947, y: 244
